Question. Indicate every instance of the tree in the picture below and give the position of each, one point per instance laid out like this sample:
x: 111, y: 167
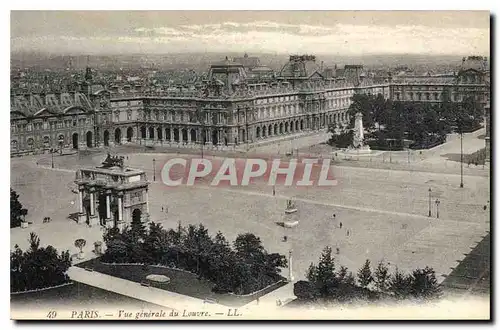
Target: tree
x: 312, y: 273
x: 273, y: 263
x: 424, y: 284
x: 248, y: 246
x: 463, y: 116
x: 304, y: 290
x: 342, y: 139
x: 399, y: 284
x: 38, y: 267
x: 365, y: 275
x: 111, y: 234
x: 220, y: 260
x: 374, y: 109
x: 342, y: 274
x: 198, y: 244
x: 80, y: 244
x: 251, y: 256
x: 246, y: 269
x: 17, y: 212
x: 363, y: 104
x: 155, y: 244
x: 349, y: 279
x: 137, y: 229
x: 381, y: 277
x: 326, y: 279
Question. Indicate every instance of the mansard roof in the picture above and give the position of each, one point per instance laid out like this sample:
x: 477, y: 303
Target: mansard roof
x: 300, y: 67
x: 477, y: 63
x: 34, y: 105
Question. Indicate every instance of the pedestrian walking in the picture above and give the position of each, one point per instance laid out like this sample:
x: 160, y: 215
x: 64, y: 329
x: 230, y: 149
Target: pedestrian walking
x: 341, y: 225
x: 274, y: 191
x: 334, y: 216
x: 162, y: 208
x: 338, y: 251
x: 347, y: 232
x: 285, y: 238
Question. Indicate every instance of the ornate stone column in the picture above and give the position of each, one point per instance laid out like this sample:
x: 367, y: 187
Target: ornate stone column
x: 92, y: 203
x: 146, y: 198
x: 120, y: 224
x: 120, y: 208
x: 93, y: 218
x: 80, y: 200
x: 82, y: 216
x: 108, y: 206
x: 208, y: 140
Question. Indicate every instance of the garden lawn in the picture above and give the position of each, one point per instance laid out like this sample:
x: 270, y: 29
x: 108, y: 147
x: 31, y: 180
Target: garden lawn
x: 181, y: 282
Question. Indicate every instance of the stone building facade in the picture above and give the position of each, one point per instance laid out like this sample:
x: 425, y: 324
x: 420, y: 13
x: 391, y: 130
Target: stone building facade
x: 230, y: 109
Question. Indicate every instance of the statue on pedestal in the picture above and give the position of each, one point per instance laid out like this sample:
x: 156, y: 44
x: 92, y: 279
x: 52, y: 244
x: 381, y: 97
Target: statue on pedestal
x: 111, y: 161
x: 358, y: 137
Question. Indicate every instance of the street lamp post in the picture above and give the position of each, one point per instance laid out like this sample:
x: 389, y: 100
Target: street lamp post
x: 437, y: 208
x: 202, y: 139
x: 52, y: 153
x: 154, y: 170
x: 430, y: 191
x: 201, y: 119
x: 461, y: 159
x: 246, y: 124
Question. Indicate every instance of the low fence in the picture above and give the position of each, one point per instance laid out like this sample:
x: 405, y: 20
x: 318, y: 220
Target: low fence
x: 42, y: 289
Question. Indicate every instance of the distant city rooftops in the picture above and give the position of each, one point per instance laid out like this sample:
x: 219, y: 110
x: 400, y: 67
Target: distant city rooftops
x: 229, y: 74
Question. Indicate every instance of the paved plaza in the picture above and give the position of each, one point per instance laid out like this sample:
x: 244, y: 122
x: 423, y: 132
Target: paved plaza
x: 384, y: 211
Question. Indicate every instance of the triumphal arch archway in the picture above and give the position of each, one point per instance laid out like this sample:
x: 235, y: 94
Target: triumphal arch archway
x: 112, y: 195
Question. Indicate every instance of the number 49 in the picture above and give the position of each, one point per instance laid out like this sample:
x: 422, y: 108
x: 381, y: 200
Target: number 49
x: 52, y: 314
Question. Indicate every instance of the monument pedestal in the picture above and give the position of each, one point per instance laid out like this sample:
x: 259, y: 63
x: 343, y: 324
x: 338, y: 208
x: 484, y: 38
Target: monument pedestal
x: 145, y: 218
x: 109, y: 223
x: 361, y: 150
x: 82, y: 218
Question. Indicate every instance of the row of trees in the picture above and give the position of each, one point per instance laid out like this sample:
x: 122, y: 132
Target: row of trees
x: 17, y: 211
x: 426, y: 124
x: 244, y: 268
x: 325, y: 283
x: 37, y: 267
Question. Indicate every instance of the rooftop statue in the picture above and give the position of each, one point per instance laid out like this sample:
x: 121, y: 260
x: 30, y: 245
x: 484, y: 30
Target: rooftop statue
x: 111, y: 161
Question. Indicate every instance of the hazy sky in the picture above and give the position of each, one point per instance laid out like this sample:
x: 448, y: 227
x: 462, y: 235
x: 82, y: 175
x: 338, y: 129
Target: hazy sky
x: 318, y: 32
